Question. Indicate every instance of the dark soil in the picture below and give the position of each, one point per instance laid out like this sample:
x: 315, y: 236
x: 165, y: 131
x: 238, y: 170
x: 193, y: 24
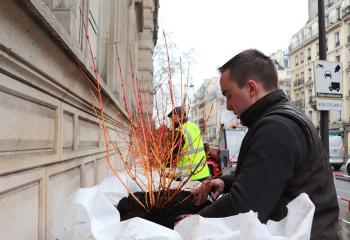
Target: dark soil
x: 166, y: 216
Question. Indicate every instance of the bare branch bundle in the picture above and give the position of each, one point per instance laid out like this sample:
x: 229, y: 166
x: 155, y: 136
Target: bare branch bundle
x: 149, y: 144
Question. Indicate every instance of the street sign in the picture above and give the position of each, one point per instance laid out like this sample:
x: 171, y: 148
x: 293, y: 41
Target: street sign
x: 328, y: 80
x: 329, y: 105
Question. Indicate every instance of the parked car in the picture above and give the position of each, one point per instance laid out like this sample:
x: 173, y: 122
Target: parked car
x: 336, y: 152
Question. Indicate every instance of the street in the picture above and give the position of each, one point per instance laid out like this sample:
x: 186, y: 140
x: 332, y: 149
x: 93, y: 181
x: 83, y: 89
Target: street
x: 343, y: 191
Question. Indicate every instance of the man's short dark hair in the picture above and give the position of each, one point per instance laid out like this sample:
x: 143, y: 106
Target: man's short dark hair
x: 252, y: 64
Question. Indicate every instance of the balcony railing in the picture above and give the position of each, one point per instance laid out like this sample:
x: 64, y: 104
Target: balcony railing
x: 312, y: 99
x: 309, y: 81
x: 300, y: 103
x: 298, y: 82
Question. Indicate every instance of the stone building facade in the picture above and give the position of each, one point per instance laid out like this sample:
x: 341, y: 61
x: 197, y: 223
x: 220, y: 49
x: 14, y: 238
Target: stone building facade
x: 304, y: 51
x: 208, y: 108
x: 51, y: 142
x: 281, y: 62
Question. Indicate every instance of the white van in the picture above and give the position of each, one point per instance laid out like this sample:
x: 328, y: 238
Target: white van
x: 336, y: 152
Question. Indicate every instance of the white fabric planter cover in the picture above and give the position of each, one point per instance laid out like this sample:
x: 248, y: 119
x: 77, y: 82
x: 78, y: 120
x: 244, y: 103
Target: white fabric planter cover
x: 90, y: 214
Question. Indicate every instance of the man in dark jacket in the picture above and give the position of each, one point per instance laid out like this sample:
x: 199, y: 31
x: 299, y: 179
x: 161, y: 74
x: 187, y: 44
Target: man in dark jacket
x: 281, y: 156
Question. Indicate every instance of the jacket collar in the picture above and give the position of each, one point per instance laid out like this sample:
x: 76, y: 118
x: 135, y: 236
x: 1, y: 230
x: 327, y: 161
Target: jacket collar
x: 258, y: 109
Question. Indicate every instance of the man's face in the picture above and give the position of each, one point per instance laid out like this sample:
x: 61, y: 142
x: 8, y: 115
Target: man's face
x: 237, y: 99
x: 177, y: 120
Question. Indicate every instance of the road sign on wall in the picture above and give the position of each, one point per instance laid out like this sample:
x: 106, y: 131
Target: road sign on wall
x: 328, y: 80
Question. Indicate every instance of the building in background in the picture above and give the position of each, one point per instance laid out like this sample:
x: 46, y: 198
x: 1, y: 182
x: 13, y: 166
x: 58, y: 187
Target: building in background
x: 51, y: 143
x: 281, y: 62
x: 208, y: 108
x: 304, y: 51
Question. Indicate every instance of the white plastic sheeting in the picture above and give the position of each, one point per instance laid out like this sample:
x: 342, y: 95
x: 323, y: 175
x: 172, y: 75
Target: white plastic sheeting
x: 90, y: 214
x: 246, y: 226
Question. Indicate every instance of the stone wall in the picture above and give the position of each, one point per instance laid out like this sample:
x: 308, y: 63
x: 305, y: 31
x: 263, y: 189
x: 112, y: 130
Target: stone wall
x: 51, y: 142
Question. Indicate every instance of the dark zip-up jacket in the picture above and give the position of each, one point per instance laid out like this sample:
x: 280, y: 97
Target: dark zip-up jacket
x: 281, y: 156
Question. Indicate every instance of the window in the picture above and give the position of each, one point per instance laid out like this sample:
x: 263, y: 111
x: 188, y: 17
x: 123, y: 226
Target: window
x: 68, y: 16
x: 318, y: 49
x: 310, y: 115
x: 103, y: 41
x: 302, y: 57
x: 296, y: 60
x: 310, y: 96
x: 288, y: 72
x: 308, y: 32
x: 296, y: 82
x: 309, y: 54
x: 98, y: 35
x: 309, y: 73
x: 338, y: 116
x: 337, y: 40
x: 302, y: 77
x: 338, y: 13
x: 285, y: 62
x: 337, y: 58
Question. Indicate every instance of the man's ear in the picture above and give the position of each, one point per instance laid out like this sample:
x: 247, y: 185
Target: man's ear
x: 253, y: 88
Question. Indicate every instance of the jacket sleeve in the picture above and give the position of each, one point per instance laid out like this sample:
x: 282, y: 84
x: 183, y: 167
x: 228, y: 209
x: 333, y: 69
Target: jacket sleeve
x: 275, y: 146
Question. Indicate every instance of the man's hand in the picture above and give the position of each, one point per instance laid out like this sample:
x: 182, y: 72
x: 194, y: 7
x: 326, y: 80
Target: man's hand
x: 172, y: 173
x: 214, y: 186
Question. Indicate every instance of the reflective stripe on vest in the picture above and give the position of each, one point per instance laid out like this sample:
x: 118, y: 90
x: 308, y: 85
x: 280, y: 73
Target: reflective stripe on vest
x: 191, y: 149
x: 192, y: 166
x: 199, y: 167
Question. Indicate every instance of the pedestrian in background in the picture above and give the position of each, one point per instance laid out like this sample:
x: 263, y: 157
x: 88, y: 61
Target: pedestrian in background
x: 188, y: 146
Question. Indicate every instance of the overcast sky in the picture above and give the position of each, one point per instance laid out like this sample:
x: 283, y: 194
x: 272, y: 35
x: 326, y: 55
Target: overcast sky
x: 217, y: 30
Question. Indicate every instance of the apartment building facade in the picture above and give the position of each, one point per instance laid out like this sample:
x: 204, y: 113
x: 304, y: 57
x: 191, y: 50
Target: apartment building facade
x: 208, y: 109
x: 304, y: 51
x: 281, y: 61
x: 51, y: 142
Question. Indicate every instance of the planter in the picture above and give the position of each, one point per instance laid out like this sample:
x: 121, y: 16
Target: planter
x: 165, y: 216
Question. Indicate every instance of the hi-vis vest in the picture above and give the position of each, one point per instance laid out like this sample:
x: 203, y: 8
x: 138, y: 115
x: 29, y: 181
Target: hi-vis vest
x: 192, y: 156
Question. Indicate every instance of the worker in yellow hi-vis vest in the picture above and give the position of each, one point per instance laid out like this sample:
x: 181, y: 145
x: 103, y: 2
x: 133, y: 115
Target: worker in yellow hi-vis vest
x: 189, y: 146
